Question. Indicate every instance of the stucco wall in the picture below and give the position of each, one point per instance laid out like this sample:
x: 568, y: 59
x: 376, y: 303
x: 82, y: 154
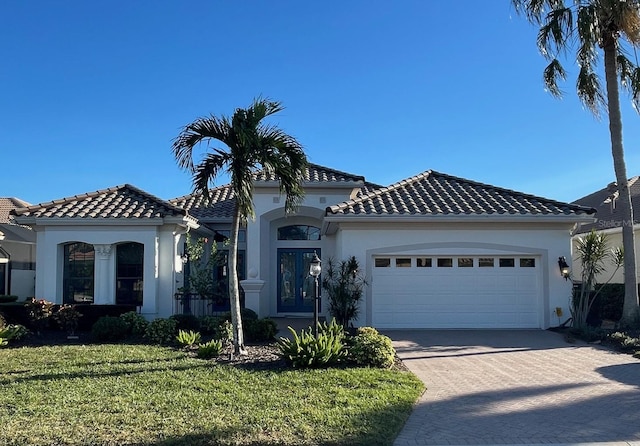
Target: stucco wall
x: 545, y: 240
x: 158, y: 250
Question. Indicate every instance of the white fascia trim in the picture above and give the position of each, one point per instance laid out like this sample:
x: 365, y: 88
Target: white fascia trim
x: 315, y: 185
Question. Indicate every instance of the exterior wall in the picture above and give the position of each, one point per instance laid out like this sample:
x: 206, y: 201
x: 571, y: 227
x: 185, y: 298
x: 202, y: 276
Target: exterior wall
x: 262, y: 243
x: 614, y: 240
x: 548, y: 241
x: 159, y: 264
x: 21, y: 268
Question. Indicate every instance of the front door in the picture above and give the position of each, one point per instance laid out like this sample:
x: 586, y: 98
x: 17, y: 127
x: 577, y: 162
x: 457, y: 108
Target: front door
x: 296, y: 287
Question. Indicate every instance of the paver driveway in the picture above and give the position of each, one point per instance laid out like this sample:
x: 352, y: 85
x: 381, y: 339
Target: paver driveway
x: 517, y: 387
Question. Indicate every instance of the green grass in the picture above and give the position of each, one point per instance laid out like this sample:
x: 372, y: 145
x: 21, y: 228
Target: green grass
x: 148, y: 395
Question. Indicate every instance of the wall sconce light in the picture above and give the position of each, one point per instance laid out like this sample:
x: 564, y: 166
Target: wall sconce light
x: 185, y: 258
x: 564, y: 268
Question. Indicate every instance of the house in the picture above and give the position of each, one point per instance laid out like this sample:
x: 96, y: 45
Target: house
x: 610, y: 222
x: 438, y: 251
x: 17, y: 252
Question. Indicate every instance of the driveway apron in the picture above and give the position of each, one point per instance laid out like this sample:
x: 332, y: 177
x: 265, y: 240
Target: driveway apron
x: 517, y: 387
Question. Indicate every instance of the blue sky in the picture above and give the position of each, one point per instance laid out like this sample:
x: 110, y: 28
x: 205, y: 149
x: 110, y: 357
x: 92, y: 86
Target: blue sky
x: 93, y: 92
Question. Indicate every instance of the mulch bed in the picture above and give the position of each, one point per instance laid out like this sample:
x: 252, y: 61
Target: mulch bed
x: 260, y: 356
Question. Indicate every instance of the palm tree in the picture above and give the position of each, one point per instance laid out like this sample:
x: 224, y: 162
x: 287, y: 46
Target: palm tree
x: 251, y: 145
x: 611, y: 26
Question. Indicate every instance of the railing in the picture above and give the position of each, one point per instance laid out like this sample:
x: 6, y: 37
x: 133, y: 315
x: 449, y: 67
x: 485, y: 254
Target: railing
x: 193, y: 303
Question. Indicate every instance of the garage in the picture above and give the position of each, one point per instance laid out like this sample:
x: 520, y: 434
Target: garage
x: 456, y: 291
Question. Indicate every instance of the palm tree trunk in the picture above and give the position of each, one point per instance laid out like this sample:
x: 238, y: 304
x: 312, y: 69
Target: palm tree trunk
x: 624, y: 196
x: 234, y: 288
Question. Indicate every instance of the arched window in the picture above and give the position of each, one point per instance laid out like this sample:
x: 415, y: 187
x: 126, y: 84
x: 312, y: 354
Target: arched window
x: 78, y: 274
x: 299, y: 232
x: 129, y: 273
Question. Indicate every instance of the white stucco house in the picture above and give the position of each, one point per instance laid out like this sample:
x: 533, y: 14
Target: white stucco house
x: 17, y: 252
x: 438, y: 251
x: 608, y: 221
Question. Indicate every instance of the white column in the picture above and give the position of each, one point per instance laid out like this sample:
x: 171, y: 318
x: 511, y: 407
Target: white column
x: 104, y: 276
x: 252, y: 287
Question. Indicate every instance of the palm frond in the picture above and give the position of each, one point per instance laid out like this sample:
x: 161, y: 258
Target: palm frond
x: 590, y: 90
x: 553, y: 34
x: 202, y: 129
x: 551, y: 74
x: 207, y: 170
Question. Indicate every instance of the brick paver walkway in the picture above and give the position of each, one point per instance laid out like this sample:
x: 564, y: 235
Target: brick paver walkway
x: 518, y: 387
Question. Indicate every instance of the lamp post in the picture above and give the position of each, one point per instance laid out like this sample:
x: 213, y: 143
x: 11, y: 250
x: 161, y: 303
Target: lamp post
x: 315, y: 268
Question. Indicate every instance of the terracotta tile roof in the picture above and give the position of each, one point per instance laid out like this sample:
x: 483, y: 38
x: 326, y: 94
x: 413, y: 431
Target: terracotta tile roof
x: 434, y: 193
x: 221, y: 199
x: 221, y: 203
x: 317, y: 174
x: 9, y: 204
x: 123, y: 201
x: 605, y: 201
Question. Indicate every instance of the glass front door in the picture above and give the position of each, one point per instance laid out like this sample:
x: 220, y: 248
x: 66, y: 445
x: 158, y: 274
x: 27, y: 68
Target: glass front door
x: 296, y: 287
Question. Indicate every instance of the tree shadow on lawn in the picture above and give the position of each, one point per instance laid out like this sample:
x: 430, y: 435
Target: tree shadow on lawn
x: 95, y: 374
x: 373, y: 428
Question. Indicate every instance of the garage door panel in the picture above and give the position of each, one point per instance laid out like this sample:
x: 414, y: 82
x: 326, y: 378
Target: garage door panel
x: 456, y: 297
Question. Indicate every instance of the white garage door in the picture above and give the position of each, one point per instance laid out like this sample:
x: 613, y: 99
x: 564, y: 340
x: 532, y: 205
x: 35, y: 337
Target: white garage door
x: 456, y: 292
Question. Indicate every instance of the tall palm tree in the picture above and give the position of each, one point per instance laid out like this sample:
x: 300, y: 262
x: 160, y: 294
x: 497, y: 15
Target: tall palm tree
x: 251, y: 145
x: 607, y: 28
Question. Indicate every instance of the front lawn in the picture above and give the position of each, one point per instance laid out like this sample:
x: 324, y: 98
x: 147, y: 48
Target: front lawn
x: 150, y: 395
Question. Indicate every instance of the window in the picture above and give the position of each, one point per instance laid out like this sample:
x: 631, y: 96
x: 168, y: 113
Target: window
x: 507, y: 263
x: 485, y: 262
x: 403, y: 263
x: 299, y: 232
x: 445, y: 263
x: 423, y: 262
x: 78, y: 273
x: 220, y: 283
x: 527, y: 263
x: 465, y: 262
x: 383, y: 262
x: 129, y: 273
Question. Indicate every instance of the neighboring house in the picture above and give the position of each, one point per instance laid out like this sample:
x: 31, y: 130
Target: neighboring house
x: 438, y: 251
x: 610, y: 222
x: 17, y: 252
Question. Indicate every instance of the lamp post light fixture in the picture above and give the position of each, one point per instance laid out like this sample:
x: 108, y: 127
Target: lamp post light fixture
x: 564, y: 267
x: 315, y: 268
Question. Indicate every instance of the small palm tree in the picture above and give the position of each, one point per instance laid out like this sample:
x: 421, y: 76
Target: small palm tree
x: 593, y: 25
x: 251, y: 145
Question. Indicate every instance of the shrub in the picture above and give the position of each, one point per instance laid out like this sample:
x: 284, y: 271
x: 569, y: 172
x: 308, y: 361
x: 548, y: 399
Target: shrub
x: 210, y: 349
x: 245, y: 313
x: 67, y: 318
x: 224, y: 332
x: 209, y: 324
x: 260, y: 330
x: 188, y: 338
x: 3, y: 321
x: 39, y: 312
x: 186, y: 322
x: 305, y: 350
x: 161, y: 331
x: 109, y: 328
x: 624, y: 342
x: 136, y: 323
x: 13, y: 332
x: 5, y: 298
x: 370, y: 348
x: 345, y: 287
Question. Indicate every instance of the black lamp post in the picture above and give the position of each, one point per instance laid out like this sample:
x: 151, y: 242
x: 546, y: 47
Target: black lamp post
x: 315, y: 268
